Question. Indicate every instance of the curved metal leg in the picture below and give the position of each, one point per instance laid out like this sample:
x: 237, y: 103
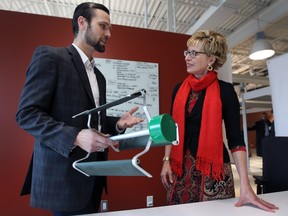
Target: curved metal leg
x: 75, y: 162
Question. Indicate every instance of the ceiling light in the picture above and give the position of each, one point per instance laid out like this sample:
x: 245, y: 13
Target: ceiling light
x: 261, y: 48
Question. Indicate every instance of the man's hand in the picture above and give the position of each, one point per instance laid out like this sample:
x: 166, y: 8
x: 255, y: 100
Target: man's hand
x: 91, y: 140
x: 127, y: 120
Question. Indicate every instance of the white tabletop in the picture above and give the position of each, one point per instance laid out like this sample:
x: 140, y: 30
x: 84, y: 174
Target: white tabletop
x: 215, y: 208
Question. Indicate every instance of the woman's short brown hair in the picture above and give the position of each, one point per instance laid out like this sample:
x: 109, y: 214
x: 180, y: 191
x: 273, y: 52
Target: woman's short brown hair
x: 213, y: 44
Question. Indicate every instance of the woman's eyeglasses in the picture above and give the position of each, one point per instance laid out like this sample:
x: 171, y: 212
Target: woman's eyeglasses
x: 192, y: 53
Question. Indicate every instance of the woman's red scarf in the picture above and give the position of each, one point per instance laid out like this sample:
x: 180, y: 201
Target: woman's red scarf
x: 209, y: 159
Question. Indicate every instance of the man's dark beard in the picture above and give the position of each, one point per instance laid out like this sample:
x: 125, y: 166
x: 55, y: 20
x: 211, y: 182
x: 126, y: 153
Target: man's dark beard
x: 97, y: 46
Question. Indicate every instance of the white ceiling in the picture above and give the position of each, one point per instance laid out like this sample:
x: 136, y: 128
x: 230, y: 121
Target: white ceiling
x: 238, y: 20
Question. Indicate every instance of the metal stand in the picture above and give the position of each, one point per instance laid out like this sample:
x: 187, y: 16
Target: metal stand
x: 162, y: 130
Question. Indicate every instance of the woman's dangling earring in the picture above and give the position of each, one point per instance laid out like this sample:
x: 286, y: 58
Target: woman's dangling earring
x: 209, y: 67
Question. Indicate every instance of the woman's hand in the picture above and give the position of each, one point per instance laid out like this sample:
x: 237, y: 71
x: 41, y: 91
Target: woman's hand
x: 247, y: 196
x: 166, y: 175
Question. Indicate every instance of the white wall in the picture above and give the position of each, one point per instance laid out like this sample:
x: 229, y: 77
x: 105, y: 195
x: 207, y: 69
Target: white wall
x: 278, y: 76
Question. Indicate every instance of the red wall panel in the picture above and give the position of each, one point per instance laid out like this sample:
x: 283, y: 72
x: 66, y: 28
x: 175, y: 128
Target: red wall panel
x: 20, y: 35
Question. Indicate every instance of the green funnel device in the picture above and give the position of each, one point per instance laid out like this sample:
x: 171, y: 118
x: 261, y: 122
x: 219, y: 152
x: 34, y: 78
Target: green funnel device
x: 162, y: 129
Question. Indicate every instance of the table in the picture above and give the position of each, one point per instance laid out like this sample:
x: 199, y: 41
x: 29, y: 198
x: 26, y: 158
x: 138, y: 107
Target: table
x: 214, y: 208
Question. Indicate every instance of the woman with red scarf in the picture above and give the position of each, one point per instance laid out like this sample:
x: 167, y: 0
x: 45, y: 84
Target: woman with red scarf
x: 199, y: 169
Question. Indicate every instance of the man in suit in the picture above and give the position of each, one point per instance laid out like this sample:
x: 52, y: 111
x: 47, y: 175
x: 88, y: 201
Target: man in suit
x: 262, y: 128
x: 61, y: 82
x: 272, y: 132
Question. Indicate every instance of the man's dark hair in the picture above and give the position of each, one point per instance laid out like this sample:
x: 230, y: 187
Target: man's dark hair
x: 86, y: 10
